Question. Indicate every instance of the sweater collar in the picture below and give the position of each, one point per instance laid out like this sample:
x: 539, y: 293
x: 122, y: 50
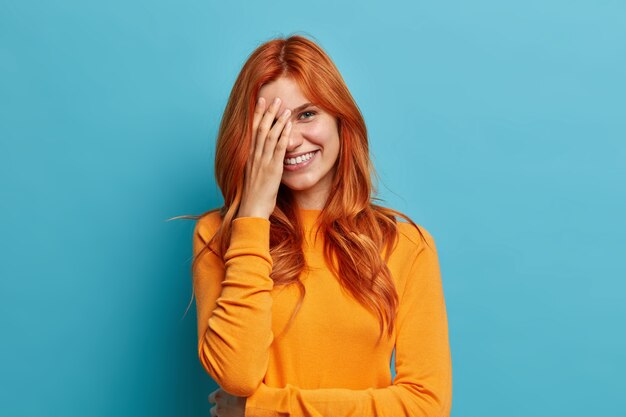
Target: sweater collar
x: 308, y: 217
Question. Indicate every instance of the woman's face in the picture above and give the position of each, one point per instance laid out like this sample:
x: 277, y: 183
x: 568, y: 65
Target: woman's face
x: 314, y: 135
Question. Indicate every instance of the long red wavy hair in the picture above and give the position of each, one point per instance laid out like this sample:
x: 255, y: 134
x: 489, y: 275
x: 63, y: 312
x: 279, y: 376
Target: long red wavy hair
x: 357, y: 230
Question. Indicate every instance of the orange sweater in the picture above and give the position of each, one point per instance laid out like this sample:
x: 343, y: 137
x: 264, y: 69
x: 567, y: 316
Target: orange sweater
x: 328, y: 362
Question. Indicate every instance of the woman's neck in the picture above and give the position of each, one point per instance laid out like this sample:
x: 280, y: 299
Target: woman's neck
x: 311, y: 199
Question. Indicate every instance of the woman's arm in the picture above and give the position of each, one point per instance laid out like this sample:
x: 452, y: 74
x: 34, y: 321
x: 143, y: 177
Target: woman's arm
x: 234, y: 304
x: 423, y: 383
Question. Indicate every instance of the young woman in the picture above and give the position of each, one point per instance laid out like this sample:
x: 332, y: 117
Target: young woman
x: 303, y: 285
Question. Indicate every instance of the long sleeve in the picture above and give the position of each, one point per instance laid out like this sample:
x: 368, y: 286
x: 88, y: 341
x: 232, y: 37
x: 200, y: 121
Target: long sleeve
x: 423, y: 383
x: 234, y: 305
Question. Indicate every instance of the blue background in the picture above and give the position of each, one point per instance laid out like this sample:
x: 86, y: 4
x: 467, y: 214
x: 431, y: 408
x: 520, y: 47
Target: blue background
x: 498, y: 126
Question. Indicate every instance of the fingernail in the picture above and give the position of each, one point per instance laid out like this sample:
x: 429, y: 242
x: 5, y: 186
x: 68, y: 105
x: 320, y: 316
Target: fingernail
x: 276, y: 100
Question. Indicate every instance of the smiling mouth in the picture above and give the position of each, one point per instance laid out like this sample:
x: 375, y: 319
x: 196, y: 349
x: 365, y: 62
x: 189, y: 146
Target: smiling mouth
x: 293, y: 164
x: 299, y: 159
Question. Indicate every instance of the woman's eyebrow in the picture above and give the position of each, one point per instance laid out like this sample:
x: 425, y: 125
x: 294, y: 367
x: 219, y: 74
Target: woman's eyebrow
x: 302, y: 107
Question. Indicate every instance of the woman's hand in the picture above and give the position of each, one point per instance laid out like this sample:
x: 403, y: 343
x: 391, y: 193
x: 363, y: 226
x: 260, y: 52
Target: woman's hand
x: 264, y: 168
x: 226, y: 405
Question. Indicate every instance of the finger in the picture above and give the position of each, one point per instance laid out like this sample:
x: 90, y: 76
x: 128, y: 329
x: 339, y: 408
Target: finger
x: 270, y: 142
x: 258, y: 115
x: 281, y: 145
x: 247, y: 167
x: 266, y: 124
x: 213, y: 396
x: 264, y: 127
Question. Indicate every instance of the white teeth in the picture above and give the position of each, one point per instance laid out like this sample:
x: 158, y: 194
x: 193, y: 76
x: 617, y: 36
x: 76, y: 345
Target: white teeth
x: 299, y: 159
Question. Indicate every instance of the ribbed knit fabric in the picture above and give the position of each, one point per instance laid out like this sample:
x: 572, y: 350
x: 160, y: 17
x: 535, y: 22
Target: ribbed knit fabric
x: 328, y: 362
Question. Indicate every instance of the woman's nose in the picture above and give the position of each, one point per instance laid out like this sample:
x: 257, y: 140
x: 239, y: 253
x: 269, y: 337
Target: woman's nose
x: 295, y: 139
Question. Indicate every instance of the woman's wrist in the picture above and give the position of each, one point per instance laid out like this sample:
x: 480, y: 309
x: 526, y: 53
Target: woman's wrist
x: 245, y: 212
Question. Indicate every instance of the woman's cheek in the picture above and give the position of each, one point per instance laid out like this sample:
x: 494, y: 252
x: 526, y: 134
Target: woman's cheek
x: 313, y: 131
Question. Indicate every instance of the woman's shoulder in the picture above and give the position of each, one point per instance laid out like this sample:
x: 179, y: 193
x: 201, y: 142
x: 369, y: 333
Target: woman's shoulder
x: 208, y: 223
x: 412, y: 233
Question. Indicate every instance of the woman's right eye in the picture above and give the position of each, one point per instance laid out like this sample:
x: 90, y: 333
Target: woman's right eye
x: 305, y: 112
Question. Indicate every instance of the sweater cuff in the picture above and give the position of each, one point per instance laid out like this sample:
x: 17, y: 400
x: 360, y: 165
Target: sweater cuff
x: 265, y: 402
x: 250, y: 236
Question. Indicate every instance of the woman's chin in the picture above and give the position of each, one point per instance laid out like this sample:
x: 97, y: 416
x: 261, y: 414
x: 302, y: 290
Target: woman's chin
x: 296, y: 187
